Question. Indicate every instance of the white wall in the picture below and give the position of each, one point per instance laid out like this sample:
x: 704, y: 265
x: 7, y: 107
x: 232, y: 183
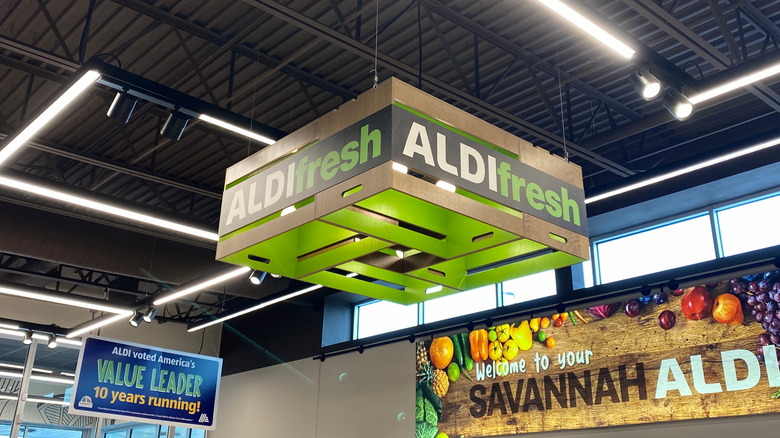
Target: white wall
x: 376, y: 389
x: 347, y: 396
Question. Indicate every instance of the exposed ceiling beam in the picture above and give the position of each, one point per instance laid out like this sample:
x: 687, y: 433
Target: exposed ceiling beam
x: 234, y: 44
x: 63, y: 151
x: 510, y: 47
x: 338, y: 39
x: 677, y: 30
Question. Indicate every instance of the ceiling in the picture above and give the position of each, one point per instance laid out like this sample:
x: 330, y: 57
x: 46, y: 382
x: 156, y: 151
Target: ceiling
x: 284, y: 64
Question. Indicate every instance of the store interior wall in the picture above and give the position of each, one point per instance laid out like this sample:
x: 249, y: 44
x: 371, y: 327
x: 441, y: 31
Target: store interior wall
x: 375, y: 397
x: 346, y: 396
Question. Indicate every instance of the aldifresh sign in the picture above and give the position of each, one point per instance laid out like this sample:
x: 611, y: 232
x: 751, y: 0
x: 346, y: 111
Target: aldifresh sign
x: 134, y: 382
x: 426, y: 147
x: 444, y: 153
x: 700, y: 352
x: 341, y: 156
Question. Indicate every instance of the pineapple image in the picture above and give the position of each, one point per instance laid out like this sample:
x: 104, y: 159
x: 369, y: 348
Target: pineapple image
x: 435, y: 378
x: 422, y: 356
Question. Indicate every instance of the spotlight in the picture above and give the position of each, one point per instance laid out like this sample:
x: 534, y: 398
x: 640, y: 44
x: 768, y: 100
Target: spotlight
x: 276, y: 276
x: 122, y: 107
x: 136, y: 319
x: 646, y: 84
x: 174, y: 126
x: 52, y: 341
x: 470, y: 326
x: 150, y: 313
x: 677, y: 104
x: 489, y: 323
x: 645, y: 290
x: 361, y: 350
x: 411, y: 338
x: 777, y: 262
x: 560, y: 308
x: 257, y: 277
x: 673, y: 284
x: 27, y: 339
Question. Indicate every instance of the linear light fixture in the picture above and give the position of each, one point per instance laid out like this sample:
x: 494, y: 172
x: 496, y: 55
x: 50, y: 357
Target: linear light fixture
x: 238, y: 130
x: 684, y: 170
x: 253, y: 308
x: 87, y: 79
x: 96, y: 324
x: 9, y: 326
x: 35, y: 400
x: 102, y: 207
x: 588, y: 26
x: 736, y: 83
x: 60, y: 299
x: 134, y: 86
x: 202, y: 285
x: 39, y: 336
x: 37, y: 378
x: 21, y: 367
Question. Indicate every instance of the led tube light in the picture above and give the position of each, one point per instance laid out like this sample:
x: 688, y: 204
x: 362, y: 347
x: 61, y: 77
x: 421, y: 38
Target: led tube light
x: 54, y: 298
x: 41, y: 337
x: 89, y: 78
x: 236, y: 129
x: 684, y: 170
x: 98, y: 322
x: 21, y: 367
x: 253, y: 308
x: 736, y: 83
x: 105, y: 208
x: 202, y: 285
x: 588, y: 26
x: 35, y: 400
x: 9, y: 326
x: 37, y: 378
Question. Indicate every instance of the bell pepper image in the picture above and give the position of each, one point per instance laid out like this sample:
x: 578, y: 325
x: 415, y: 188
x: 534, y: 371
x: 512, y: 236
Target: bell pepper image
x: 522, y: 335
x: 478, y: 341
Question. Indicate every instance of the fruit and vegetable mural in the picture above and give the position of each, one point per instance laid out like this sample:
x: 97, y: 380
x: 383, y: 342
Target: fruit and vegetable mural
x: 664, y: 355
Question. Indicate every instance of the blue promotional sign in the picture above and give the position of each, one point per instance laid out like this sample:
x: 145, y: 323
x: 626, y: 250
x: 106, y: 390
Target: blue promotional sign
x: 135, y: 382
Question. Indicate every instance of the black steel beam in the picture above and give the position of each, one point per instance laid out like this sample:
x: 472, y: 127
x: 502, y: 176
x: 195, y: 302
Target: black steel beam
x: 333, y: 37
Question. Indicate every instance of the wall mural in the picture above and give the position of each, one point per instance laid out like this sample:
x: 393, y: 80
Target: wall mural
x: 700, y: 352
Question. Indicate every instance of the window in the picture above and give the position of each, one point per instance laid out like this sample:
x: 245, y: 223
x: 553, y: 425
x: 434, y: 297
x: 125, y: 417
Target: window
x: 483, y: 298
x: 749, y: 226
x: 383, y: 316
x: 668, y: 246
x: 529, y: 287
